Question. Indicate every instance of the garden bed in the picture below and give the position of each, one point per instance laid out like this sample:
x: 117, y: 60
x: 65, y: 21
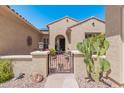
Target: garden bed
x: 22, y: 83
x: 83, y: 83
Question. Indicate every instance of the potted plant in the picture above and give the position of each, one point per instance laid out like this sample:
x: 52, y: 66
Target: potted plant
x: 52, y: 52
x: 94, y: 50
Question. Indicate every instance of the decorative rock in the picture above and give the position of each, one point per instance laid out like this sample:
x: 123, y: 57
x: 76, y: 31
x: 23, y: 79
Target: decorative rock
x: 20, y: 76
x: 106, y: 83
x: 23, y: 83
x: 36, y: 77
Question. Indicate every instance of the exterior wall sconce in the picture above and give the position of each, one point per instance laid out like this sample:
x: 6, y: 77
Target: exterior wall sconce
x: 93, y: 24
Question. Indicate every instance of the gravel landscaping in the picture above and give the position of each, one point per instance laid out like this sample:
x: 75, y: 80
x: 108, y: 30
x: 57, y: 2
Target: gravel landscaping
x: 22, y: 83
x: 83, y: 83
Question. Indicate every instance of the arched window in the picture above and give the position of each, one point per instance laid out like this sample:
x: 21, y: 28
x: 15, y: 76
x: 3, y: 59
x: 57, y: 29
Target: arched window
x: 29, y: 40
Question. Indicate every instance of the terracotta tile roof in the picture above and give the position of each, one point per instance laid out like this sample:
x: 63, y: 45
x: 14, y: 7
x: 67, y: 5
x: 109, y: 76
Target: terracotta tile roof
x: 22, y: 18
x: 85, y: 21
x: 44, y: 30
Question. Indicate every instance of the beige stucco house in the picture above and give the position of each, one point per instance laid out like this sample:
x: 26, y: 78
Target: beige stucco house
x: 65, y: 33
x: 18, y: 36
x: 115, y: 35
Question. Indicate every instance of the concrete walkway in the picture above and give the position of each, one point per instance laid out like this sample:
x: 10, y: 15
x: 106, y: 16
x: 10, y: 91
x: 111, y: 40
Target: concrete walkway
x: 61, y: 81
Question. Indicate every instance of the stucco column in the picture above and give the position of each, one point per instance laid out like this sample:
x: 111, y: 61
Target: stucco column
x: 40, y: 59
x: 79, y: 65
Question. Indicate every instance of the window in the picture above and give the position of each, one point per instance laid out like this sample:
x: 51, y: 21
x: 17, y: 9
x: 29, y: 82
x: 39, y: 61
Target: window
x: 29, y: 41
x: 45, y: 43
x: 87, y: 35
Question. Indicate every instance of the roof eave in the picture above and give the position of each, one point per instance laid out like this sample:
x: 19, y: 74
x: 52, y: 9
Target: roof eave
x: 22, y: 19
x: 87, y: 20
x: 61, y: 19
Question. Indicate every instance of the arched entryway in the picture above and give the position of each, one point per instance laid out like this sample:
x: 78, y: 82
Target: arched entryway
x: 60, y: 43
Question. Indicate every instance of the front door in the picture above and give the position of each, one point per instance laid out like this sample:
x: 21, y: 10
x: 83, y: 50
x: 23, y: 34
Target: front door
x: 62, y: 44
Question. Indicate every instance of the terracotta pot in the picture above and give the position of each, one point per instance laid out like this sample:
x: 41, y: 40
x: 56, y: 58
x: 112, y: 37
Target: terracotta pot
x: 36, y: 77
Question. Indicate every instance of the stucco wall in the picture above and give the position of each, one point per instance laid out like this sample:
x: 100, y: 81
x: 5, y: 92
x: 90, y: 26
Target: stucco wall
x: 37, y: 62
x: 79, y: 66
x: 114, y: 35
x: 20, y: 63
x: 123, y: 40
x: 29, y: 66
x: 78, y: 32
x: 14, y: 33
x: 22, y: 66
x: 59, y: 28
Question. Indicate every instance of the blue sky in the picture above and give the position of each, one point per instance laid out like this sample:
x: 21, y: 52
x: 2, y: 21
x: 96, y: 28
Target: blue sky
x: 41, y: 15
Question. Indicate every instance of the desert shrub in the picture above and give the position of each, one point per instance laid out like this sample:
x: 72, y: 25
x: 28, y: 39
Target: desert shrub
x: 52, y: 51
x: 6, y: 72
x: 95, y: 45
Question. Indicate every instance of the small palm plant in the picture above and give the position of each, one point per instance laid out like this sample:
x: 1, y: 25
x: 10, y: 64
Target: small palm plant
x: 52, y: 51
x: 93, y: 48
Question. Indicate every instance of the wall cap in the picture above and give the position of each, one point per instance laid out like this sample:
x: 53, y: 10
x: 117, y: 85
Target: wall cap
x: 16, y: 57
x: 95, y: 56
x: 40, y: 53
x: 76, y: 52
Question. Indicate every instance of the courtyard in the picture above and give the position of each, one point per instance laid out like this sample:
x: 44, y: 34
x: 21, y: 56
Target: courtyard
x: 70, y: 52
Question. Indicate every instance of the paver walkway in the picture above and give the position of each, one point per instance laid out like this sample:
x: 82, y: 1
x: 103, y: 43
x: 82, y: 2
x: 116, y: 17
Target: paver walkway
x: 61, y: 81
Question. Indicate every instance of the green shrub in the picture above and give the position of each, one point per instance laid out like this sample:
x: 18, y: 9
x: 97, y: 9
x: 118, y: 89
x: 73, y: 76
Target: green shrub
x: 6, y: 72
x: 52, y: 51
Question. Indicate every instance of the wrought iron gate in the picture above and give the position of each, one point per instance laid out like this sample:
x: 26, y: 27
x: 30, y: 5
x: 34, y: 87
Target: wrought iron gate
x: 61, y: 63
